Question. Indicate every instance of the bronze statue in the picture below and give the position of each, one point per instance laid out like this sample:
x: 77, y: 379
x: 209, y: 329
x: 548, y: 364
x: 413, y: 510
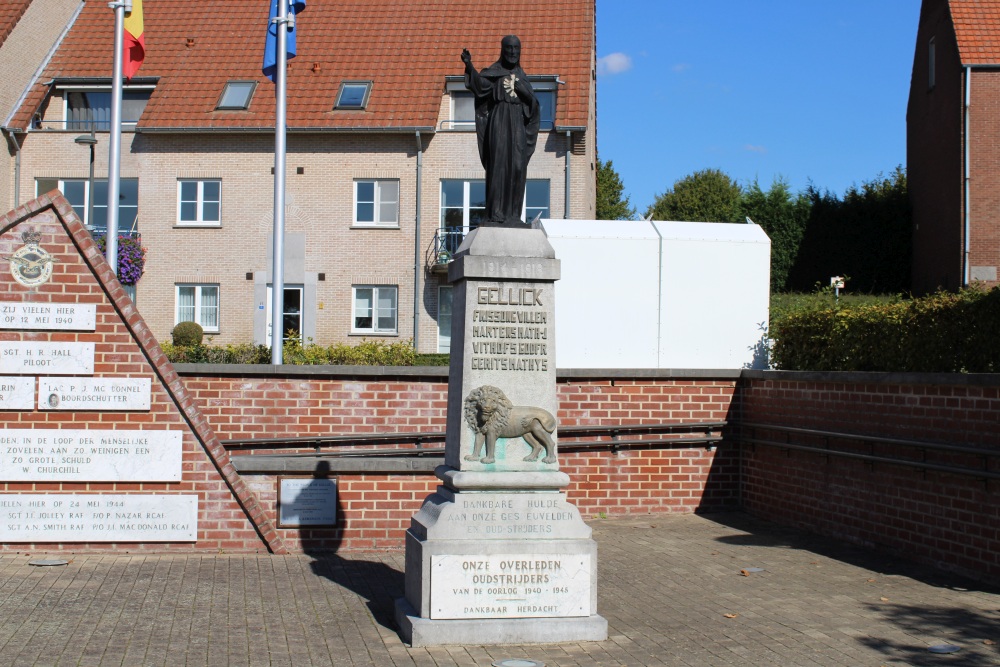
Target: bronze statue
x: 507, y: 118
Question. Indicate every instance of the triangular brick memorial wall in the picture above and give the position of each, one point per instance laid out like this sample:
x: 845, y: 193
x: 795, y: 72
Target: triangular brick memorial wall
x: 101, y: 446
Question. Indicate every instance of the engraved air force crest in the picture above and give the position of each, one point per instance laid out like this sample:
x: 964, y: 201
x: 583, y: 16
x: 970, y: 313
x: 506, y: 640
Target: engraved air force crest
x: 31, y: 265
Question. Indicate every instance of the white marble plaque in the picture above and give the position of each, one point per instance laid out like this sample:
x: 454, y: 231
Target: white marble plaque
x: 98, y: 518
x: 80, y: 455
x: 94, y: 393
x: 17, y: 393
x: 42, y: 358
x: 510, y: 586
x: 307, y: 501
x: 48, y: 316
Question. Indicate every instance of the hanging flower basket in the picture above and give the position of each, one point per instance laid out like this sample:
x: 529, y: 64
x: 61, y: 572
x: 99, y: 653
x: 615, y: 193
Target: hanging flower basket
x: 131, y: 257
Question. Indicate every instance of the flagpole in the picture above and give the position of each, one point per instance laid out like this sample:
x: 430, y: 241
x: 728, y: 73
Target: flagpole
x: 115, y: 142
x: 278, y: 242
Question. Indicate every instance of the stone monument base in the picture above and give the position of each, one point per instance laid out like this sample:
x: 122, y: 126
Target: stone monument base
x: 499, y: 567
x: 494, y: 631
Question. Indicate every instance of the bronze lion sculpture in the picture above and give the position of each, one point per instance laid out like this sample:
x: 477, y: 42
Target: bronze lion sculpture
x: 491, y: 415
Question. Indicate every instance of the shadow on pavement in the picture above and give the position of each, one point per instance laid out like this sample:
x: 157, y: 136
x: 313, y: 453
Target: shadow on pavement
x: 374, y: 581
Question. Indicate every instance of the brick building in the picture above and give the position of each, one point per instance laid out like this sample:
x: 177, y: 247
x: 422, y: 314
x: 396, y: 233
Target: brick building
x: 953, y: 144
x: 383, y: 167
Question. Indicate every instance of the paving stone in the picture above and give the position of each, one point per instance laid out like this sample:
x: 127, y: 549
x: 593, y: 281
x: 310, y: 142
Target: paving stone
x: 666, y: 584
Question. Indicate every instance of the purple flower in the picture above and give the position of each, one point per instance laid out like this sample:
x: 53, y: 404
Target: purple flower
x: 131, y: 258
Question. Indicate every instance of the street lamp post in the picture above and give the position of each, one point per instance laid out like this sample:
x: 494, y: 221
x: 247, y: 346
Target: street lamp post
x: 89, y: 140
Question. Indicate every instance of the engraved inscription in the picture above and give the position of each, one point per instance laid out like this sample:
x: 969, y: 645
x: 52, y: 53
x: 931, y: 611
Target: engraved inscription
x: 94, y: 393
x: 94, y: 517
x: 510, y: 329
x: 48, y: 316
x: 32, y: 358
x: 510, y: 586
x: 89, y: 455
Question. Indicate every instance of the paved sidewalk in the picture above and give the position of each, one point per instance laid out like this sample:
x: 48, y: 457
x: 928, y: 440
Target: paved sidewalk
x: 670, y: 587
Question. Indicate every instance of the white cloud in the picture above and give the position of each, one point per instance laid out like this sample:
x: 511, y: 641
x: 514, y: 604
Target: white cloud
x: 614, y: 63
x: 755, y: 149
x: 681, y: 67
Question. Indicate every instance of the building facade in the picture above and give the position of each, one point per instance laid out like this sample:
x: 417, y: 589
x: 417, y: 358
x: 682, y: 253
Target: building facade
x: 383, y: 171
x: 953, y: 145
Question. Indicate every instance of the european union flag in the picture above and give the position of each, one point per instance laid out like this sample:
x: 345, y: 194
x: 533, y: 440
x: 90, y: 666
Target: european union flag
x: 271, y: 43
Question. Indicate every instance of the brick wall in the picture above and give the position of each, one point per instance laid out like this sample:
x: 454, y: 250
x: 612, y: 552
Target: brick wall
x: 123, y: 348
x: 375, y: 509
x: 946, y: 520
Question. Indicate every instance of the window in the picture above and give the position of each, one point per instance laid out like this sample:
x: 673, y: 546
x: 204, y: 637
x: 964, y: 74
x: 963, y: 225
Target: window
x: 77, y: 192
x: 931, y: 64
x: 536, y: 199
x: 198, y: 303
x: 236, y: 95
x: 374, y: 309
x: 199, y: 202
x: 376, y: 203
x: 463, y: 110
x: 353, y: 95
x: 547, y: 104
x: 444, y: 319
x: 463, y: 207
x: 87, y: 109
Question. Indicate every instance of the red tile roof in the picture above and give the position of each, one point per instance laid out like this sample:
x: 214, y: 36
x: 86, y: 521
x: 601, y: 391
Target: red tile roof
x: 406, y: 47
x: 10, y: 13
x: 977, y: 29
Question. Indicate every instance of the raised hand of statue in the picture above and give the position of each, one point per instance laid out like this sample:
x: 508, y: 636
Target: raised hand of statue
x: 466, y: 57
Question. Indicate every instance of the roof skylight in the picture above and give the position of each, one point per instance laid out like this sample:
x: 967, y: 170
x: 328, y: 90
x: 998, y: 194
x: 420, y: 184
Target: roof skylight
x: 237, y: 95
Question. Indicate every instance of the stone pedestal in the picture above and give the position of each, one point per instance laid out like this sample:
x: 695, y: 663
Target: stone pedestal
x: 497, y: 555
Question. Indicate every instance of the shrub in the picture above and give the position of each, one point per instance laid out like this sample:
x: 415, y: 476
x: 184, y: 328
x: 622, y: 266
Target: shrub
x: 187, y: 334
x: 944, y: 332
x: 367, y: 353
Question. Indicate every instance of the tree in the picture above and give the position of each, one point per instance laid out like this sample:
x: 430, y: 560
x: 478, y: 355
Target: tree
x: 610, y: 190
x: 705, y: 196
x: 865, y: 235
x: 783, y: 217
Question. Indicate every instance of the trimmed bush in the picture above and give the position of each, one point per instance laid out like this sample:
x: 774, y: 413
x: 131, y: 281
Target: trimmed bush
x: 944, y: 332
x: 366, y: 353
x: 187, y: 333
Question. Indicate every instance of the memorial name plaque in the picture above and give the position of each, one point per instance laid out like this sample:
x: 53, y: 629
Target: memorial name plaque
x: 36, y: 358
x: 94, y: 393
x: 510, y: 586
x: 48, y: 316
x: 307, y: 501
x: 78, y: 455
x: 98, y: 518
x: 510, y: 328
x: 17, y: 393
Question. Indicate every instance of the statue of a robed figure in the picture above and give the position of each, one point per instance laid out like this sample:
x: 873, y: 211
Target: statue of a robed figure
x: 507, y: 119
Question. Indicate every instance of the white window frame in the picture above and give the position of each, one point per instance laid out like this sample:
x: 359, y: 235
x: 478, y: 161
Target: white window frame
x: 199, y: 202
x: 444, y: 329
x: 374, y: 329
x: 99, y: 202
x: 101, y: 126
x: 377, y: 204
x: 199, y: 289
x: 524, y: 206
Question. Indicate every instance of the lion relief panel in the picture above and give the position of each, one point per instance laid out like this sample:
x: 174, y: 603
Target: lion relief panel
x: 491, y: 415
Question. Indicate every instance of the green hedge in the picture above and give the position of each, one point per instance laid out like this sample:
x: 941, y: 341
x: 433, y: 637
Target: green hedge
x: 943, y: 332
x: 366, y: 353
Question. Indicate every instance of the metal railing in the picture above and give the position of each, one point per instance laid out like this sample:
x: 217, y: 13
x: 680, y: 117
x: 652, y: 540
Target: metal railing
x: 446, y: 243
x: 587, y: 438
x: 871, y: 457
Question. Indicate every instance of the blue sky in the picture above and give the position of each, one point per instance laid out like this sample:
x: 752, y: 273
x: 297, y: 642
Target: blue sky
x: 806, y: 91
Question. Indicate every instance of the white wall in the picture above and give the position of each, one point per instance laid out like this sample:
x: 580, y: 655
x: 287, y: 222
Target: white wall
x: 677, y: 295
